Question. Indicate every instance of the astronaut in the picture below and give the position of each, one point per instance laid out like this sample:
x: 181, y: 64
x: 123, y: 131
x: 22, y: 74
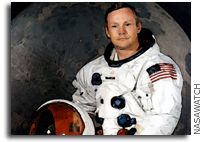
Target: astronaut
x: 133, y: 89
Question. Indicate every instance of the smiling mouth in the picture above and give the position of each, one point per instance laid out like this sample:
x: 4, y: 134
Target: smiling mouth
x: 122, y: 38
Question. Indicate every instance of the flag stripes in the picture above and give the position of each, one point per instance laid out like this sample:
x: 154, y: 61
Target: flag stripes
x: 166, y: 71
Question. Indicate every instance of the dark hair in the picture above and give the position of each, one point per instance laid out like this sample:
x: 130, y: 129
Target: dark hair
x: 119, y: 5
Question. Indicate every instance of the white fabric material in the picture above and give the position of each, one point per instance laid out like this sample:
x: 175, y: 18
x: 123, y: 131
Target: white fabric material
x: 114, y: 56
x: 156, y: 106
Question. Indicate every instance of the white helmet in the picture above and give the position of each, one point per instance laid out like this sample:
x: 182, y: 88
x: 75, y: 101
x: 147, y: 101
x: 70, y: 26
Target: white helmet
x: 61, y: 117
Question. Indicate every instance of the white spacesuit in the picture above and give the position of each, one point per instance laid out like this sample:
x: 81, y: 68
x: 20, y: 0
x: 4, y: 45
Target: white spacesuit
x: 140, y: 95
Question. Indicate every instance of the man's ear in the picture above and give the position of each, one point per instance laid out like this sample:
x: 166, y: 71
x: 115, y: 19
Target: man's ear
x: 107, y: 32
x: 139, y: 27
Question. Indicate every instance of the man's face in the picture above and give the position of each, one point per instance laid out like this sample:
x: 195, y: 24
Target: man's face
x: 122, y: 29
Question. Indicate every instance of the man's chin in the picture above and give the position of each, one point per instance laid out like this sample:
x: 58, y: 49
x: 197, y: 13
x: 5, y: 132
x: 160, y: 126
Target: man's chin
x: 121, y: 47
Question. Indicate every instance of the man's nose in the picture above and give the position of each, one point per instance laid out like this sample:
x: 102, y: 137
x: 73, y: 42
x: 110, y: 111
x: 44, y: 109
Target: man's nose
x: 121, y: 31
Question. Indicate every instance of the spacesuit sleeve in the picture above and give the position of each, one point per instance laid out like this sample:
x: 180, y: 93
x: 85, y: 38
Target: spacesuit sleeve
x: 84, y: 96
x: 162, y: 106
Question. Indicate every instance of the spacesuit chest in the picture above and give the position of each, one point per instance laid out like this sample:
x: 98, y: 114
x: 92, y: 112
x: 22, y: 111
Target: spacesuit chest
x: 126, y: 75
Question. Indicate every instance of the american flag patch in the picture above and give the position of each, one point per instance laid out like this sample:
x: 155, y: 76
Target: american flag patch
x: 161, y: 71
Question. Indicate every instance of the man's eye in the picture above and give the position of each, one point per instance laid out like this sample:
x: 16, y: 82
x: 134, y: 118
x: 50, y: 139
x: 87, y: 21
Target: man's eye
x: 128, y: 24
x: 114, y: 26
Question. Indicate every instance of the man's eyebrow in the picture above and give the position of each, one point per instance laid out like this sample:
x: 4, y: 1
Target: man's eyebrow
x: 114, y: 23
x: 123, y: 22
x: 128, y: 21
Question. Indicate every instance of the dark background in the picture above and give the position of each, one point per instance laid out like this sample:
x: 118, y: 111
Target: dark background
x: 180, y: 11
